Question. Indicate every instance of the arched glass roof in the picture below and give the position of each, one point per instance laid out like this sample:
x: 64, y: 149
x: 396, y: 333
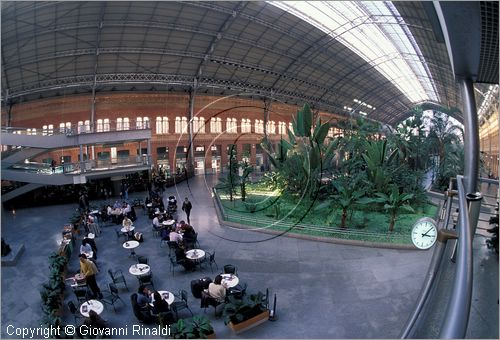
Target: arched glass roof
x: 379, y: 59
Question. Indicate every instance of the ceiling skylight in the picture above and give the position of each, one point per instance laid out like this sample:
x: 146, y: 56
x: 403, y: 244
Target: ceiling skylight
x: 378, y: 34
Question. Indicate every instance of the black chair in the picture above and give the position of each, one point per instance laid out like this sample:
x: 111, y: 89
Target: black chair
x: 111, y: 296
x: 139, y: 313
x: 82, y: 294
x: 207, y: 301
x: 166, y: 319
x: 142, y: 259
x: 210, y: 259
x: 173, y: 264
x: 229, y: 269
x: 182, y: 304
x: 117, y: 277
x: 172, y: 246
x: 146, y: 279
x: 74, y: 310
x: 120, y: 234
x: 238, y: 291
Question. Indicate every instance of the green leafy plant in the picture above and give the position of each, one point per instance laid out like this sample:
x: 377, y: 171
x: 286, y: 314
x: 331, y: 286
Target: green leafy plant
x: 197, y: 327
x: 393, y: 202
x: 239, y: 310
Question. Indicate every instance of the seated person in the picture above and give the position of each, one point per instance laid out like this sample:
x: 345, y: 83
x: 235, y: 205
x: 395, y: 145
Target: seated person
x: 175, y: 237
x: 85, y: 248
x: 92, y: 321
x: 180, y: 257
x: 180, y: 226
x: 216, y: 290
x: 90, y: 240
x: 189, y: 237
x: 156, y: 221
x: 143, y: 297
x: 126, y: 208
x: 127, y: 222
x: 159, y: 305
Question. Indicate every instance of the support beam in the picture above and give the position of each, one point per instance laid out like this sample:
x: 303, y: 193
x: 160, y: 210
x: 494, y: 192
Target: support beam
x: 471, y: 136
x: 190, y: 156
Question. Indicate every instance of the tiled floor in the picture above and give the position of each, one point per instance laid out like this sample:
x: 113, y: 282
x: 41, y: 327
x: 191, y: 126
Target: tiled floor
x: 323, y: 290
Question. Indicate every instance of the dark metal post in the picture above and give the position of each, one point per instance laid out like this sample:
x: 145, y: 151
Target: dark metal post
x: 190, y: 157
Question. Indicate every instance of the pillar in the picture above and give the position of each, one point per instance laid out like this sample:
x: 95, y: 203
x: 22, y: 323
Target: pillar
x: 471, y: 136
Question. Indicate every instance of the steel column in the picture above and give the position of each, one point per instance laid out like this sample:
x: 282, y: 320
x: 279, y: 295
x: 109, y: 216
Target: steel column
x: 471, y: 136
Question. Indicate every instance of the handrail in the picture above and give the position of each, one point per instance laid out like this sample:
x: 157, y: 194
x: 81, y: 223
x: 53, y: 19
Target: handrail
x: 457, y: 314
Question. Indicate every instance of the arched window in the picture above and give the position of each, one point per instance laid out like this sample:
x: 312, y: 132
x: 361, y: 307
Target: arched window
x: 231, y: 125
x: 138, y: 123
x: 100, y: 125
x: 246, y: 126
x: 126, y: 123
x: 162, y: 125
x: 259, y: 126
x: 119, y: 124
x: 145, y: 122
x: 87, y: 126
x: 271, y: 127
x: 282, y: 128
x: 62, y: 128
x: 107, y: 125
x: 198, y: 125
x: 184, y: 125
x: 178, y: 126
x: 80, y: 127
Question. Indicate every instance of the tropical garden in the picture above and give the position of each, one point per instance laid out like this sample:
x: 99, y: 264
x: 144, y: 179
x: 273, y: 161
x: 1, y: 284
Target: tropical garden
x: 366, y: 183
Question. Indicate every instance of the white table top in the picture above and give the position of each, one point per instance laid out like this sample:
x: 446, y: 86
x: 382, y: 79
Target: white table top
x: 95, y: 305
x: 195, y: 254
x: 229, y: 280
x: 163, y: 294
x: 94, y: 212
x: 149, y: 205
x: 126, y: 230
x: 131, y: 244
x: 139, y: 269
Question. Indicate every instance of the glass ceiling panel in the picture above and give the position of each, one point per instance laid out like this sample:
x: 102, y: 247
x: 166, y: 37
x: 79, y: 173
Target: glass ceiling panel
x: 377, y: 33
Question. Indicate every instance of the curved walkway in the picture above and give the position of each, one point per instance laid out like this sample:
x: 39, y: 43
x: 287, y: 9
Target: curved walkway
x: 323, y: 290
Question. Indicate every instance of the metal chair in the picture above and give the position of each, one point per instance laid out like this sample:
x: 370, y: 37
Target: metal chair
x: 230, y: 269
x: 211, y: 260
x: 146, y: 279
x: 172, y: 246
x: 173, y: 264
x: 111, y: 296
x: 74, y: 310
x: 142, y: 259
x: 117, y: 277
x: 238, y: 291
x: 182, y: 304
x: 82, y: 295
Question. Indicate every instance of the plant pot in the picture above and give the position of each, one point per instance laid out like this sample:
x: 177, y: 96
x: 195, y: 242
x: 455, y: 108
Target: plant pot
x: 211, y: 336
x: 250, y: 323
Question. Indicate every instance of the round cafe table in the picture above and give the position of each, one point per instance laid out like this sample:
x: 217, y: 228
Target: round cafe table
x: 229, y: 280
x: 166, y: 295
x: 195, y: 254
x: 139, y: 269
x: 95, y: 305
x: 131, y: 245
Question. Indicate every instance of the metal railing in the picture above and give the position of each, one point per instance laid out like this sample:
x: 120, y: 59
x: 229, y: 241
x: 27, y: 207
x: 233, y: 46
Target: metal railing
x: 110, y: 126
x: 456, y: 317
x: 79, y: 167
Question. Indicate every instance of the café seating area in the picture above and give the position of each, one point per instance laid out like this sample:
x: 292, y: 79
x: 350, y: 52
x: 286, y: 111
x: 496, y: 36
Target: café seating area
x: 290, y: 268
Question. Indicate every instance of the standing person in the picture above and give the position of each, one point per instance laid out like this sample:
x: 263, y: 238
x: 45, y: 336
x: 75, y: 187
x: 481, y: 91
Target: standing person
x: 89, y: 269
x: 53, y: 165
x: 186, y: 207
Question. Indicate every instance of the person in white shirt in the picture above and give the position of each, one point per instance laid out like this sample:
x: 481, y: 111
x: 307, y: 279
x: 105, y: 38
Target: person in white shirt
x: 156, y: 221
x: 175, y: 236
x: 216, y: 290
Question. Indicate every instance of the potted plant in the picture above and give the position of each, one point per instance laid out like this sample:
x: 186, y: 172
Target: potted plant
x: 197, y: 327
x: 245, y: 313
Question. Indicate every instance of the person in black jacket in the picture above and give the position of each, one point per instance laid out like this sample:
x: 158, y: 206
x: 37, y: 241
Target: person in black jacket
x: 186, y: 207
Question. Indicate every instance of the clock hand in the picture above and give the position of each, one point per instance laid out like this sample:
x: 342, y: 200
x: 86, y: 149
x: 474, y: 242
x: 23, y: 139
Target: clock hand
x: 425, y: 234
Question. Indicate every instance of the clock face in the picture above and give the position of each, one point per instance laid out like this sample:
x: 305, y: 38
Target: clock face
x: 424, y: 233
